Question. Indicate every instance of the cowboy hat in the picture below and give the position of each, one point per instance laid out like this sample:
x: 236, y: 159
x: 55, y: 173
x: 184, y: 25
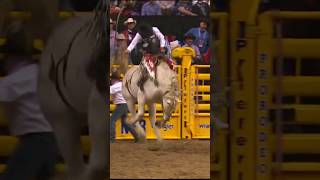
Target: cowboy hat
x: 130, y: 20
x: 145, y: 30
x: 121, y: 36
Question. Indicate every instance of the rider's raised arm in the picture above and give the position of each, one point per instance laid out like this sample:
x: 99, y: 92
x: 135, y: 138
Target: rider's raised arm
x: 134, y: 42
x: 160, y: 36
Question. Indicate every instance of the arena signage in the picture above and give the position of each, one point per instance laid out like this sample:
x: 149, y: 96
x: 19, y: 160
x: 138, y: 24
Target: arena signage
x: 124, y: 130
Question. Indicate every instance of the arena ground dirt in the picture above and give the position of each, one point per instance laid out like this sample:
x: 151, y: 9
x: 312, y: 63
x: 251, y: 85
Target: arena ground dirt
x: 170, y: 160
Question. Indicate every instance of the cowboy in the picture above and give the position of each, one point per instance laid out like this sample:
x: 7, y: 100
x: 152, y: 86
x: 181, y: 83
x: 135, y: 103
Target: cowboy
x: 149, y: 39
x: 113, y: 35
x: 121, y: 110
x: 130, y: 32
x: 119, y: 57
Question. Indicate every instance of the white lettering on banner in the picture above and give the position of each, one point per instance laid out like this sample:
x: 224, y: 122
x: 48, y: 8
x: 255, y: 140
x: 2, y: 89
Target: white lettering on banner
x: 125, y: 130
x: 167, y: 127
x: 204, y: 126
x: 263, y: 57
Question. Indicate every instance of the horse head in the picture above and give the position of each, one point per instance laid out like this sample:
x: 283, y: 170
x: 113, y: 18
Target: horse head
x: 169, y: 101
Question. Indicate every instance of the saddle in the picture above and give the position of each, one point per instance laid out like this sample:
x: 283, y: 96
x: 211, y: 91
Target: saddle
x: 148, y: 67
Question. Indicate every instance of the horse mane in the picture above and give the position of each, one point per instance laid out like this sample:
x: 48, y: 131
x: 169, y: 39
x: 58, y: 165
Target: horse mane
x: 98, y: 67
x: 173, y: 78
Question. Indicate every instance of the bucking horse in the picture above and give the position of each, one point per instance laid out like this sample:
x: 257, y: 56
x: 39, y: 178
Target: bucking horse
x: 72, y: 89
x: 163, y: 89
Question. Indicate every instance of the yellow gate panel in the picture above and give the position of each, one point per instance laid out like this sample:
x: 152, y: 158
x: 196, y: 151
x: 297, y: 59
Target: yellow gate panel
x: 201, y: 126
x: 200, y: 111
x: 300, y: 170
x: 172, y: 130
x: 295, y: 144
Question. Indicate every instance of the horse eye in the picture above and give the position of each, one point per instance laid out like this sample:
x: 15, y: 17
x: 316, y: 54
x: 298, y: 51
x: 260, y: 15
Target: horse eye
x: 169, y: 101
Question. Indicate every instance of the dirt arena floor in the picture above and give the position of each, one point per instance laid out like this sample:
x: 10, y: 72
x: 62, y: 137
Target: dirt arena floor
x: 173, y: 159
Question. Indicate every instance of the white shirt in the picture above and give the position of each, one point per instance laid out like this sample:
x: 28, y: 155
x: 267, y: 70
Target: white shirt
x: 138, y: 38
x: 18, y: 93
x: 116, y: 92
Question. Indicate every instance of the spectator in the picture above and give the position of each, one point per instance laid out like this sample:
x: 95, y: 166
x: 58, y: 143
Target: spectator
x: 166, y: 7
x: 201, y: 8
x: 184, y: 8
x: 128, y: 7
x: 113, y: 35
x: 120, y: 58
x: 114, y: 9
x: 151, y: 8
x: 189, y: 42
x: 130, y: 32
x: 136, y: 10
x: 121, y: 110
x: 36, y: 154
x: 202, y: 36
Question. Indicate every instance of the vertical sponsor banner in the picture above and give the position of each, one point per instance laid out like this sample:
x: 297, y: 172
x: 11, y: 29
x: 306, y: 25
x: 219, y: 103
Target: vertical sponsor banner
x: 243, y: 72
x: 264, y: 98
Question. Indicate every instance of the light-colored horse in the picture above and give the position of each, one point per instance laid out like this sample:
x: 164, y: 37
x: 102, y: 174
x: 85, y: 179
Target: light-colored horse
x: 72, y: 90
x: 165, y: 93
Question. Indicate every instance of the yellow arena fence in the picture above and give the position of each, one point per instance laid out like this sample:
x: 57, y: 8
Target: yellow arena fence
x: 297, y: 151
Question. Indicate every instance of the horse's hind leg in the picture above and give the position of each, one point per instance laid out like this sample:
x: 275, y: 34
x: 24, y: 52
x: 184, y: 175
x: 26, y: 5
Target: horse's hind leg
x: 98, y: 127
x: 66, y: 128
x: 152, y: 114
x: 137, y: 127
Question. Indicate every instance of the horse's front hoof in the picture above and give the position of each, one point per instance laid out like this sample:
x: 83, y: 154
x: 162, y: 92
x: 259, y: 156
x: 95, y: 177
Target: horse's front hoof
x: 140, y: 140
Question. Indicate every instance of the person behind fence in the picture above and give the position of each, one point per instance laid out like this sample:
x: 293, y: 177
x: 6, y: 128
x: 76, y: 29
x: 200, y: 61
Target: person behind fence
x: 121, y: 109
x: 151, y: 8
x: 189, y: 42
x: 130, y: 31
x: 201, y: 7
x: 184, y: 8
x: 36, y: 153
x: 113, y: 42
x: 167, y: 7
x: 201, y: 36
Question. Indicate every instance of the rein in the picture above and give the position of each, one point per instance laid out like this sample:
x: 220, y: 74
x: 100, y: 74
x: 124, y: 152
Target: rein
x: 100, y: 13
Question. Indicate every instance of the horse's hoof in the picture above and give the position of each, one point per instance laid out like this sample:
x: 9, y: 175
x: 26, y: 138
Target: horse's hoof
x: 140, y: 140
